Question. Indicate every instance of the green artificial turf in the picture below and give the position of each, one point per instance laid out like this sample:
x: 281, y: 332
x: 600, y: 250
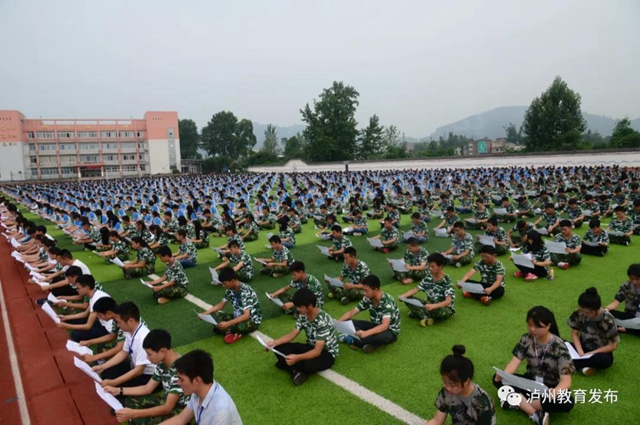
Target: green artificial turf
x: 405, y: 372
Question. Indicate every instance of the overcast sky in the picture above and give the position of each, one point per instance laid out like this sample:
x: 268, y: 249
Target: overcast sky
x: 417, y: 64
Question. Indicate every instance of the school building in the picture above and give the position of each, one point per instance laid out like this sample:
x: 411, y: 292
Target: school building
x: 50, y: 149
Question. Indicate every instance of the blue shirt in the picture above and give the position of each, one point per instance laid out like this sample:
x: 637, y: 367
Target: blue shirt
x: 217, y: 408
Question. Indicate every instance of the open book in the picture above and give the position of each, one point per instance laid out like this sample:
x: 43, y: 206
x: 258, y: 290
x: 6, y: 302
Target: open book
x: 275, y: 300
x: 376, y: 243
x: 411, y: 301
x: 574, y: 353
x: 206, y: 318
x: 397, y: 265
x: 334, y: 281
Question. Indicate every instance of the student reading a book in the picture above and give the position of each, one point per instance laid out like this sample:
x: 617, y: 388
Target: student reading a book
x: 239, y: 261
x: 461, y: 398
x: 281, y: 258
x: 187, y: 254
x: 110, y: 344
x: 86, y: 325
x: 548, y: 362
x: 321, y: 348
x: 174, y: 283
x: 388, y: 236
x: 594, y: 333
x: 437, y: 285
x: 299, y: 279
x: 145, y: 262
x: 551, y: 217
x: 415, y: 261
x: 340, y: 242
x: 620, y: 227
x: 461, y: 251
x: 596, y: 240
x: 119, y: 248
x: 352, y: 273
x: 142, y: 406
x: 247, y: 313
x: 541, y: 259
x: 629, y: 294
x: 384, y: 327
x: 573, y: 243
x: 492, y: 276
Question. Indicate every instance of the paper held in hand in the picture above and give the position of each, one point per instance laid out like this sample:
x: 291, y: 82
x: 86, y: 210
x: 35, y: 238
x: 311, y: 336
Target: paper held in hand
x: 214, y: 277
x: 324, y: 250
x: 145, y: 283
x: 486, y: 240
x: 47, y: 309
x: 411, y: 301
x: 53, y: 298
x: 519, y: 382
x: 441, y: 233
x: 629, y: 323
x: 86, y: 369
x: 376, y: 243
x: 407, y: 235
x: 275, y: 300
x: 108, y: 398
x: 346, y: 328
x: 264, y: 263
x: 347, y: 230
x: 206, y: 318
x: 500, y: 211
x: 397, y: 265
x: 523, y: 260
x: 264, y: 344
x: 589, y: 243
x: 556, y: 247
x: 74, y: 347
x: 117, y: 262
x: 541, y: 230
x: 474, y: 288
x: 334, y: 281
x: 574, y: 353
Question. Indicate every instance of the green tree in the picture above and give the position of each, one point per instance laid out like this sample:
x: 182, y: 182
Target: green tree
x: 225, y: 136
x: 554, y: 120
x: 331, y: 125
x: 189, y: 139
x: 624, y: 136
x: 270, y: 146
x: 371, y: 140
x: 294, y: 147
x: 513, y: 134
x: 391, y: 136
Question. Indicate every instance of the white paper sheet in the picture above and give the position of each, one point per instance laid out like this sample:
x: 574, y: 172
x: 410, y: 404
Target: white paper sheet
x: 346, y: 328
x: 574, y: 353
x: 275, y: 300
x: 436, y: 214
x: 519, y: 382
x: 269, y: 235
x: 397, y: 265
x: 218, y: 250
x: 541, y: 230
x: 629, y: 323
x: 117, y: 262
x: 47, y: 309
x: 411, y: 301
x: 486, y: 240
x: 206, y: 318
x: 77, y: 348
x: 441, y: 233
x: 616, y: 233
x: 496, y: 197
x: 334, y: 281
x: 260, y: 261
x: 474, y: 288
x: 587, y: 213
x: 347, y: 230
x: 523, y: 260
x: 324, y: 250
x: 145, y: 283
x: 264, y: 344
x: 471, y: 220
x: 214, y: 277
x: 53, y: 298
x: 500, y: 211
x: 86, y: 369
x: 108, y: 398
x: 407, y: 235
x: 514, y: 249
x: 323, y: 236
x: 556, y: 247
x: 376, y: 243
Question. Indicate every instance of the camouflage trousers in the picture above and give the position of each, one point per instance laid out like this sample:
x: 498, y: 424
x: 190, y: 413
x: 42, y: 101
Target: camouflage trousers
x: 421, y: 313
x: 139, y: 271
x: 172, y: 292
x: 267, y: 226
x: 464, y: 260
x: 500, y: 249
x: 245, y: 275
x: 240, y: 328
x: 147, y: 402
x: 340, y: 293
x: 416, y: 275
x: 251, y: 237
x: 572, y: 259
x: 304, y: 220
x: 202, y: 245
x: 122, y: 256
x: 622, y: 240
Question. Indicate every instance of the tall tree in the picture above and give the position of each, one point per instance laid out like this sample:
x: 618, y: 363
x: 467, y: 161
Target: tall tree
x: 624, y: 136
x: 294, y: 147
x: 513, y: 134
x: 189, y: 139
x: 554, y: 120
x: 270, y: 145
x: 331, y: 125
x: 225, y: 136
x: 371, y: 140
x: 391, y: 136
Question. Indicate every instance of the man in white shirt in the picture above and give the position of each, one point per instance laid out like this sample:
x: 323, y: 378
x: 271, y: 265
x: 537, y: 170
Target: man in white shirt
x: 86, y: 325
x: 130, y: 367
x: 209, y: 404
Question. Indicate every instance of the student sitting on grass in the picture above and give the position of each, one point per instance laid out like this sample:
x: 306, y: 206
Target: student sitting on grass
x: 575, y: 213
x: 620, y: 227
x: 384, y: 327
x: 187, y: 253
x: 287, y: 237
x: 242, y: 262
x: 360, y: 224
x: 492, y: 276
x: 548, y: 361
x: 247, y: 313
x: 321, y: 348
x: 232, y: 235
x: 174, y: 283
x: 594, y: 332
x: 461, y: 250
x: 574, y: 246
x: 250, y: 229
x: 498, y: 234
x: 415, y: 261
x: 281, y: 259
x: 353, y: 271
x: 131, y: 366
x: 629, y: 294
x: 448, y: 219
x: 440, y: 303
x: 541, y: 259
x: 160, y: 238
x: 598, y: 236
x: 300, y: 279
x: 142, y: 406
x: 195, y: 377
x: 86, y: 324
x: 119, y: 248
x: 340, y: 242
x: 523, y: 228
x: 480, y: 217
x: 461, y: 398
x: 200, y: 237
x: 551, y: 217
x: 294, y: 221
x: 419, y: 228
x: 388, y: 236
x: 145, y: 262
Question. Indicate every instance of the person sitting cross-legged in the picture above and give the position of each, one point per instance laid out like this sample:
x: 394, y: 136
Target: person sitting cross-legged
x: 174, y: 283
x: 300, y: 279
x: 573, y: 243
x: 415, y: 261
x: 492, y: 275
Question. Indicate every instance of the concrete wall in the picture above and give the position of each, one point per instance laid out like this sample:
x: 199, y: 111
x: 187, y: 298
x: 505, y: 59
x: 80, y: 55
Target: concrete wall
x: 628, y: 159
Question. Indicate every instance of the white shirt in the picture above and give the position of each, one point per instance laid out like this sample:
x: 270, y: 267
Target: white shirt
x: 217, y: 408
x: 96, y: 296
x: 133, y: 347
x: 83, y: 266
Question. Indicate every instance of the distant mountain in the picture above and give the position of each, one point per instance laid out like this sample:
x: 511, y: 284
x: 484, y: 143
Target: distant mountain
x: 491, y: 123
x: 258, y: 130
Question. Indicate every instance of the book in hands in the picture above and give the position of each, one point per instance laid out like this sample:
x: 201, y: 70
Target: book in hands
x: 574, y: 353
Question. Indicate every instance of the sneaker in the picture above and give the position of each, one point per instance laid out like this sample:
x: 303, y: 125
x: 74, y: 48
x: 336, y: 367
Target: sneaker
x: 163, y: 300
x: 466, y: 294
x: 540, y: 418
x: 345, y: 301
x: 519, y: 273
x: 458, y: 264
x: 41, y: 301
x: 588, y: 371
x: 551, y: 275
x: 563, y: 266
x: 369, y: 348
x: 347, y: 339
x: 232, y: 338
x: 530, y: 277
x: 426, y: 322
x: 299, y: 378
x: 486, y: 300
x: 385, y: 250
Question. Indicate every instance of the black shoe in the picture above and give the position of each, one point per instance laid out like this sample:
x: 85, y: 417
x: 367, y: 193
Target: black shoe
x: 369, y: 348
x: 299, y: 378
x: 41, y: 301
x: 345, y: 301
x: 506, y: 406
x: 266, y: 271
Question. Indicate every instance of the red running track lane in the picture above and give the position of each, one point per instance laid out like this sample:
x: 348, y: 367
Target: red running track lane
x: 55, y: 390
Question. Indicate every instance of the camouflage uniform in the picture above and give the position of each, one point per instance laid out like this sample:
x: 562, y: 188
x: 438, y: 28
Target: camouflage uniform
x: 150, y: 264
x: 437, y: 292
x: 387, y: 307
x: 476, y: 409
x: 574, y: 213
x: 517, y: 240
x: 288, y: 234
x: 253, y: 231
x: 488, y: 276
x: 245, y: 274
x: 501, y: 236
x: 187, y: 247
x: 602, y: 237
x: 573, y: 242
x: 620, y: 228
x: 280, y: 256
x: 551, y: 219
x: 595, y: 333
x: 312, y: 284
x: 414, y: 260
x: 477, y: 215
x: 388, y: 234
x: 339, y: 244
x: 461, y: 245
x: 242, y: 300
x: 353, y: 276
x: 180, y: 286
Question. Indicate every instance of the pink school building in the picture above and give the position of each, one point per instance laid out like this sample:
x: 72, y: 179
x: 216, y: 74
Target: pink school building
x: 46, y: 149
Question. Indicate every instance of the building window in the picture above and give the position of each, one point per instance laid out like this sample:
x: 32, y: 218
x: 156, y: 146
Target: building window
x: 46, y: 135
x: 88, y: 134
x: 46, y: 147
x: 32, y: 147
x: 140, y: 134
x: 31, y: 134
x: 112, y: 169
x: 68, y: 170
x: 143, y: 167
x: 88, y: 146
x: 89, y: 159
x: 126, y: 134
x: 129, y: 168
x: 110, y: 146
x: 49, y: 171
x: 67, y: 147
x: 33, y: 160
x: 66, y: 134
x: 34, y: 172
x: 128, y: 145
x: 109, y: 157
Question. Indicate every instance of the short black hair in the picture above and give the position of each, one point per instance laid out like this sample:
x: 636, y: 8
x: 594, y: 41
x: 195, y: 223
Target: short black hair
x: 196, y: 363
x: 73, y: 271
x: 163, y: 251
x: 128, y: 310
x: 275, y: 239
x: 86, y: 280
x: 594, y: 223
x: 488, y: 249
x: 156, y: 340
x: 336, y: 228
x: 565, y: 223
x: 297, y: 266
x: 350, y: 250
x: 227, y: 274
x: 104, y: 305
x: 304, y: 297
x: 437, y: 258
x: 372, y: 281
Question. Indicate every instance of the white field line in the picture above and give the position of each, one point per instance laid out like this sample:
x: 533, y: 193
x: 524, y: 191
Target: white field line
x: 342, y: 381
x: 13, y: 359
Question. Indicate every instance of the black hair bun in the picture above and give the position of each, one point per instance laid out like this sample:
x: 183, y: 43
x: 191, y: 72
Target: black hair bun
x: 459, y: 350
